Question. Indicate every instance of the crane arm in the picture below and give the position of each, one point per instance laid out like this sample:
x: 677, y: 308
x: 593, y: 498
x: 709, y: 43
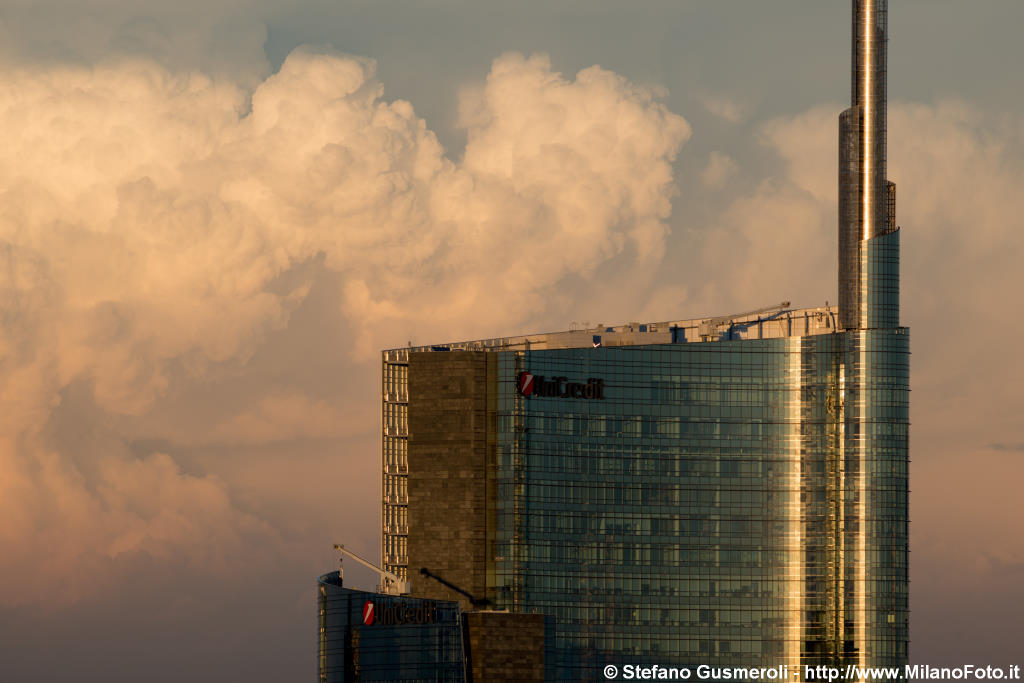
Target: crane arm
x: 710, y: 327
x: 389, y: 582
x: 766, y: 309
x: 473, y: 600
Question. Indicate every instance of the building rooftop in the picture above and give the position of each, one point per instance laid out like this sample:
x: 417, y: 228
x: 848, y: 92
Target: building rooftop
x: 765, y: 323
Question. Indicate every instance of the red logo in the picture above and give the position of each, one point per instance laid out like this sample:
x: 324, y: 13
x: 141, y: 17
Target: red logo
x: 525, y: 382
x: 368, y: 613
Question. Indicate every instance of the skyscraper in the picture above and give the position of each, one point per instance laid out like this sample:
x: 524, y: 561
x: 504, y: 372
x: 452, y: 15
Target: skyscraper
x: 727, y: 491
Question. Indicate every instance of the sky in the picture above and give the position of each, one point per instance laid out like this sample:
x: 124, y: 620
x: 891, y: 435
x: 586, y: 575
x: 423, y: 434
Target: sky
x: 213, y: 215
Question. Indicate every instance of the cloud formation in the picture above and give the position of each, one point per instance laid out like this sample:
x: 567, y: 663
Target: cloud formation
x: 153, y: 228
x: 720, y: 168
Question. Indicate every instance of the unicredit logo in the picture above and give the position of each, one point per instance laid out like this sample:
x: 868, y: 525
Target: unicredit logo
x: 529, y: 384
x: 395, y: 615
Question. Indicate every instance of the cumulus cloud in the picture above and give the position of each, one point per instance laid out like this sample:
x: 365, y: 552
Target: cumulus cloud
x: 287, y: 417
x: 776, y: 242
x: 719, y: 169
x: 154, y: 224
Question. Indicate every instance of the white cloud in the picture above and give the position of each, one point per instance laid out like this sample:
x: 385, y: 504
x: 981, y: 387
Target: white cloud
x: 152, y: 223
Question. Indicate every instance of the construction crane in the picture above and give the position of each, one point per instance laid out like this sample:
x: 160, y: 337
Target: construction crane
x: 473, y: 600
x: 389, y: 583
x: 710, y: 328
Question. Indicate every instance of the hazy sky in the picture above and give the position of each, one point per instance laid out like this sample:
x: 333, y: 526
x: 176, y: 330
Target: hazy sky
x: 214, y: 214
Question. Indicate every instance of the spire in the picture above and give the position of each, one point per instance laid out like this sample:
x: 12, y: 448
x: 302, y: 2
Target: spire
x: 868, y: 256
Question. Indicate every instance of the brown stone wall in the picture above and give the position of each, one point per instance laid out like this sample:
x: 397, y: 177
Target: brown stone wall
x: 448, y: 450
x: 504, y: 646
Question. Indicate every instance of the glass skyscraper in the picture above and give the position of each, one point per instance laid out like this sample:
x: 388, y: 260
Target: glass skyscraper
x: 373, y: 637
x: 726, y: 491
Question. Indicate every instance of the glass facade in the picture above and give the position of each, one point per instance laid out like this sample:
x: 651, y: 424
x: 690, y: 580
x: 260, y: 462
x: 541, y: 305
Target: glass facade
x: 880, y: 304
x: 733, y: 503
x: 397, y: 639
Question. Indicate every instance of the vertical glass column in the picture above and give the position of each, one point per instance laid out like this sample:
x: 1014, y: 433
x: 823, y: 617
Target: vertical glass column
x: 795, y: 541
x: 876, y: 447
x: 394, y: 461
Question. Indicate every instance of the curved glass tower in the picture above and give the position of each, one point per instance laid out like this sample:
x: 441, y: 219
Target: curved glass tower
x: 373, y: 637
x: 728, y: 491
